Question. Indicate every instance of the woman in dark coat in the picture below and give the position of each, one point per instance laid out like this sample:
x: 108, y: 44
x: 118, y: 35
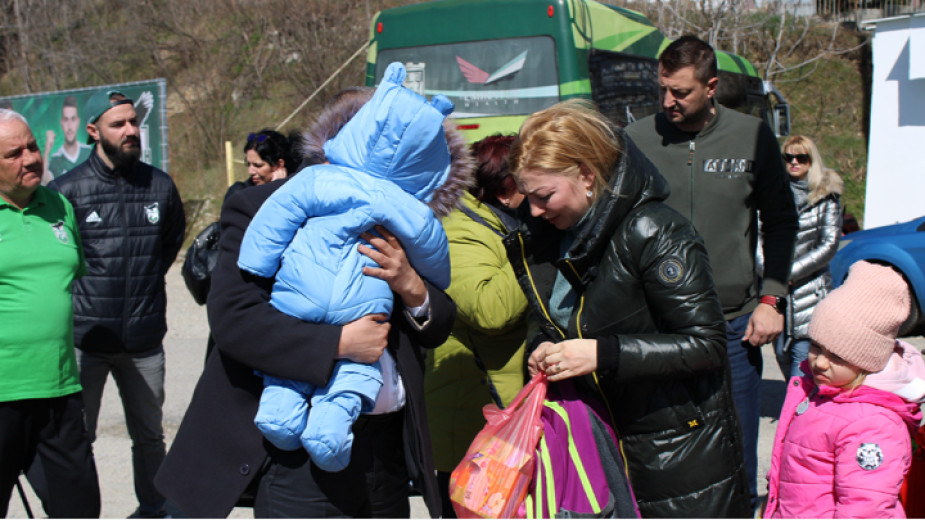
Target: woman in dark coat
x: 269, y: 156
x: 623, y: 293
x: 219, y: 455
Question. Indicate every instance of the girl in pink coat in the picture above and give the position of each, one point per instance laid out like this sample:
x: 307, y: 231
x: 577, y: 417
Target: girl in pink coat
x: 843, y: 443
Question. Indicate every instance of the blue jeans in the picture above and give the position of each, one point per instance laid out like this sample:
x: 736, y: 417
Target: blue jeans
x: 140, y: 379
x: 789, y: 360
x: 746, y: 365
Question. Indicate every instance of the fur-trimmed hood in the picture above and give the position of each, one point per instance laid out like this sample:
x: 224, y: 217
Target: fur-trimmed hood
x: 346, y: 104
x: 831, y: 184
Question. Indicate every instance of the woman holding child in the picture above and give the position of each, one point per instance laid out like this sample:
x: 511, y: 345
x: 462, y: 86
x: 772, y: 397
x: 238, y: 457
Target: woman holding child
x: 627, y: 307
x: 219, y: 455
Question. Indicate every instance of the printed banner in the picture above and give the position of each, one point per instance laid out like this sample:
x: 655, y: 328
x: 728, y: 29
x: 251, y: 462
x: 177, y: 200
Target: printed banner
x: 59, y: 123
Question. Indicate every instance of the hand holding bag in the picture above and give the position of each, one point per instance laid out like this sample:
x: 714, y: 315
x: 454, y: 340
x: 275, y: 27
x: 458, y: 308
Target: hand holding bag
x: 492, y: 479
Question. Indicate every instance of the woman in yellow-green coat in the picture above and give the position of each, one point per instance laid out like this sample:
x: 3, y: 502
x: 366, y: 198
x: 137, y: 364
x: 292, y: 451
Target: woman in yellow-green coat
x: 483, y: 359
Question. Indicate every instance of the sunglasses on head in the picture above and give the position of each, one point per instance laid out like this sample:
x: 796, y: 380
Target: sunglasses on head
x: 801, y: 158
x: 259, y: 137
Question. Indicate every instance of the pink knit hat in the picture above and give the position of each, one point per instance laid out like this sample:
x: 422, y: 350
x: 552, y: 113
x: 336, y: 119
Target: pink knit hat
x: 860, y: 320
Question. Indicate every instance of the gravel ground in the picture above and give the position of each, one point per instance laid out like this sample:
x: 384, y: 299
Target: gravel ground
x: 185, y: 346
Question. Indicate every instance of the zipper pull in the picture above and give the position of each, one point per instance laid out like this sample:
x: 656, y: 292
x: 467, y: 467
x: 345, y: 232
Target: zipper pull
x: 690, y: 157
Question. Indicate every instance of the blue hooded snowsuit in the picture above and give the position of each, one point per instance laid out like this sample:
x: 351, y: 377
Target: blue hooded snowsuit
x: 383, y: 165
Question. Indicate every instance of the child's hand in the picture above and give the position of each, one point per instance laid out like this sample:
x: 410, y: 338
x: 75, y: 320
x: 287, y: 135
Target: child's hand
x: 394, y: 267
x: 364, y: 339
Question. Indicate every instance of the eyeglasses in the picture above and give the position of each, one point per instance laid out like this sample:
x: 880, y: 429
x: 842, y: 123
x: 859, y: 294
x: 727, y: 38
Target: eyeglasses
x: 801, y: 158
x: 259, y: 137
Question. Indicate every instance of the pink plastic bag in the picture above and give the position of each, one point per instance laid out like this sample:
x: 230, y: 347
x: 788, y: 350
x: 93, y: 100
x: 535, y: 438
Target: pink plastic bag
x: 492, y: 479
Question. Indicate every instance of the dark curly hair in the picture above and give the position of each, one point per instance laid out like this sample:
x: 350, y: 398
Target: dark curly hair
x: 272, y: 146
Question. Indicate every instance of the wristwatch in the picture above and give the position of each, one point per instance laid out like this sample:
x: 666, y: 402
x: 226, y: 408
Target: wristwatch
x: 779, y: 304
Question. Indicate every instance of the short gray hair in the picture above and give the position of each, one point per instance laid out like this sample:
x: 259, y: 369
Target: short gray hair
x: 7, y: 115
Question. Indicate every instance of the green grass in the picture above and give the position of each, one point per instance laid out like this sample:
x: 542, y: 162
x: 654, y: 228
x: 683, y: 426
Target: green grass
x: 829, y: 107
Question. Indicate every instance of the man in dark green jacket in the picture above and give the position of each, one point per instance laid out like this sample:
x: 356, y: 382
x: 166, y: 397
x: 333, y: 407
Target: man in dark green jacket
x: 726, y: 175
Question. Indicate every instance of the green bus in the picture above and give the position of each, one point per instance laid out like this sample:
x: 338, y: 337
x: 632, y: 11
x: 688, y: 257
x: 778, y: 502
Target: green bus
x: 501, y: 60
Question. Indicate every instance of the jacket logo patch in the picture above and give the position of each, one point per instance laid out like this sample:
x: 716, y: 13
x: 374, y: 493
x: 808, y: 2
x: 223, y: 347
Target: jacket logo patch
x: 870, y: 456
x: 671, y: 271
x: 153, y: 213
x: 93, y: 217
x: 60, y: 231
x: 728, y: 166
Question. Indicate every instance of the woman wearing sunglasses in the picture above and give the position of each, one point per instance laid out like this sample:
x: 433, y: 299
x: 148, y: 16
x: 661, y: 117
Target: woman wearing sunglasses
x: 816, y: 190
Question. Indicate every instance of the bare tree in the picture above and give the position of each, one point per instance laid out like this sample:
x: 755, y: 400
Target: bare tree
x: 773, y: 34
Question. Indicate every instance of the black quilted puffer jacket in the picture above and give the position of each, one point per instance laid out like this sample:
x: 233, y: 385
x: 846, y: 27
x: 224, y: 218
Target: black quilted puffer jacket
x: 646, y: 294
x: 132, y: 226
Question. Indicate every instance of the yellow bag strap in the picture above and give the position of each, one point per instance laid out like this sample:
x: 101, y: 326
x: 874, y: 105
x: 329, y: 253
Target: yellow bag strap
x: 528, y: 501
x: 576, y: 457
x: 545, y: 486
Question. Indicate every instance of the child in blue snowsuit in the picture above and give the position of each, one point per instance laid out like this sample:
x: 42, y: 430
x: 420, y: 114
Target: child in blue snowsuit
x: 383, y: 166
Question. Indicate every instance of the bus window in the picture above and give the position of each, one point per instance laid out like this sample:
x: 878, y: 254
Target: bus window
x: 513, y: 76
x: 624, y: 87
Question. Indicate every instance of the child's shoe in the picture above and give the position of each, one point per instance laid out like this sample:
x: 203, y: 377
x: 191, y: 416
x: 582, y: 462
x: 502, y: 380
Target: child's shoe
x: 328, y: 436
x: 352, y: 389
x: 283, y: 412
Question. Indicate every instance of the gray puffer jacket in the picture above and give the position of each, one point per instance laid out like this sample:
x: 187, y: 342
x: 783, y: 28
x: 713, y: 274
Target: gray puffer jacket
x: 815, y: 246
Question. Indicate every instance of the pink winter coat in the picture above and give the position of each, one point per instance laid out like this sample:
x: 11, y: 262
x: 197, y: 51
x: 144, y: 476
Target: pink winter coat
x: 844, y: 454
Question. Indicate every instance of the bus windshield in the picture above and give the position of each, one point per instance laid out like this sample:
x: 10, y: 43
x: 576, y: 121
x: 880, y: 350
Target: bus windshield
x: 512, y: 76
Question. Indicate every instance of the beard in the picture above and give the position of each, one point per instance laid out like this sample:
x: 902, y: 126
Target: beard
x: 120, y: 155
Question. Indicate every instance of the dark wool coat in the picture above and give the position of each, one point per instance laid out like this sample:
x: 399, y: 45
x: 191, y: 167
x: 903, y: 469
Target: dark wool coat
x: 218, y: 450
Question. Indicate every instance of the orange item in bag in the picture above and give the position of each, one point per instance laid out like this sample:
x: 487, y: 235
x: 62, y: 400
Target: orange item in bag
x: 492, y: 479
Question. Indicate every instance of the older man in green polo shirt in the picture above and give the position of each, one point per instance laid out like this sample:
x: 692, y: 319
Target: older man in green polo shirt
x: 41, y: 412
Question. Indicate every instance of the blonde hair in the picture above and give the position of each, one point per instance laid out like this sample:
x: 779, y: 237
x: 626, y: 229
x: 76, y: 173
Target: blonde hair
x: 857, y: 381
x: 562, y: 138
x: 822, y: 181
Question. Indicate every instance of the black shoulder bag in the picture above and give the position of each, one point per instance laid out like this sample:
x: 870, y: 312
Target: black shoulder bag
x: 201, y: 258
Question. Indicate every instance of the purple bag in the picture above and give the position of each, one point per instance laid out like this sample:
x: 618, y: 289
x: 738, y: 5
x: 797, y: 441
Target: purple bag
x: 580, y: 470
